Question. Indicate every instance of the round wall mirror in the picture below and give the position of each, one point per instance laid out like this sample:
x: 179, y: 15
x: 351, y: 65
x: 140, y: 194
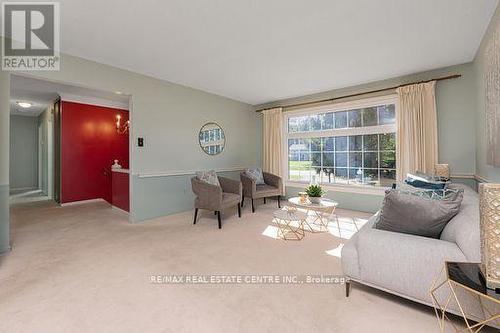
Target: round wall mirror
x: 212, y: 139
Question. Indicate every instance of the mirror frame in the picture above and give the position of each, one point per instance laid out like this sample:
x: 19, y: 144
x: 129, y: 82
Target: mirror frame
x: 223, y: 132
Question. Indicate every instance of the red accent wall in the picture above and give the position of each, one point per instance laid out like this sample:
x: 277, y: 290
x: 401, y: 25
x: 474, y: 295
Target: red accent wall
x: 89, y: 144
x: 120, y: 192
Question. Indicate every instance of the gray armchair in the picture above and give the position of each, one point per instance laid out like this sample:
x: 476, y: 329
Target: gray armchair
x: 216, y: 198
x: 273, y: 187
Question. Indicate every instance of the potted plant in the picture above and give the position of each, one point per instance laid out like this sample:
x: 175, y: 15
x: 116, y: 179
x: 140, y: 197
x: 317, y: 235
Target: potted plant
x: 315, y: 192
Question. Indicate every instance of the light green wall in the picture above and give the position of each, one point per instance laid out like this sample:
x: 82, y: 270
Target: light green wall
x: 166, y: 202
x: 4, y: 161
x: 455, y: 101
x: 168, y: 116
x: 46, y: 123
x: 23, y: 152
x: 483, y: 170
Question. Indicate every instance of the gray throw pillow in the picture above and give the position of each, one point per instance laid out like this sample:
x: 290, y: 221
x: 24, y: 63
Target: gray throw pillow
x: 417, y: 215
x: 256, y: 174
x: 209, y: 176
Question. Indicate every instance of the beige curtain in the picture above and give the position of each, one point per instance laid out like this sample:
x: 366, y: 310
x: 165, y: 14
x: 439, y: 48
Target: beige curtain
x: 417, y: 138
x: 272, y: 141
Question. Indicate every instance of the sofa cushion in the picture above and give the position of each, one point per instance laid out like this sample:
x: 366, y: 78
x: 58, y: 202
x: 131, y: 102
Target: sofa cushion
x: 208, y: 176
x: 230, y: 199
x: 464, y: 228
x: 410, y: 214
x: 256, y: 174
x: 404, y: 264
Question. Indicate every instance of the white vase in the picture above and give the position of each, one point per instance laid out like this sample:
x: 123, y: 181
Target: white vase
x: 315, y: 200
x: 116, y: 165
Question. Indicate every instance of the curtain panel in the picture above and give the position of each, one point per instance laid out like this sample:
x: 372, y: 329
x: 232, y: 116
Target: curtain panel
x: 272, y: 142
x: 417, y: 138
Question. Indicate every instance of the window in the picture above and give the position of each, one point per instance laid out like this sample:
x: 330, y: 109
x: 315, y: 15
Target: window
x: 351, y: 144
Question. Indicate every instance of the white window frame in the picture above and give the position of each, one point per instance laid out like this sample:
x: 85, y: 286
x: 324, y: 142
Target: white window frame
x: 338, y: 107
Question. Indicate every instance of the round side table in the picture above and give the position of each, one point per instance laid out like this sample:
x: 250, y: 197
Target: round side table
x: 321, y: 211
x: 290, y: 224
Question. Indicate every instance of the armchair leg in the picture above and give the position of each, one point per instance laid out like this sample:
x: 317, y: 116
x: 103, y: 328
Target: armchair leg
x: 239, y: 210
x: 242, y: 201
x: 215, y: 212
x: 218, y: 217
x: 264, y: 201
x: 347, y: 288
x: 195, y: 215
x: 253, y: 207
x: 279, y: 202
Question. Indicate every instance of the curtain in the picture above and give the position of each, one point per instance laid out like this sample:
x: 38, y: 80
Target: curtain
x: 272, y: 142
x: 417, y: 146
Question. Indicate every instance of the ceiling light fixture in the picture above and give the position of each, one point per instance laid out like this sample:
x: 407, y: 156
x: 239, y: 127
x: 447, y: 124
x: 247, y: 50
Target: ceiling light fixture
x: 24, y: 105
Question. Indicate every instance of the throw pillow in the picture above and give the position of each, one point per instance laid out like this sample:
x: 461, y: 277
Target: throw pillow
x: 443, y: 194
x: 417, y: 215
x: 209, y: 177
x: 256, y: 174
x: 421, y: 180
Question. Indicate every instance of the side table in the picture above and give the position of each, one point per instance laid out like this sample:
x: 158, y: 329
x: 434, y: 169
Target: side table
x: 321, y: 213
x: 465, y: 277
x: 290, y: 224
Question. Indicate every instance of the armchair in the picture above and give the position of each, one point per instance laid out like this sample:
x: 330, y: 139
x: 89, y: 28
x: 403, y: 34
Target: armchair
x: 216, y: 198
x: 272, y: 188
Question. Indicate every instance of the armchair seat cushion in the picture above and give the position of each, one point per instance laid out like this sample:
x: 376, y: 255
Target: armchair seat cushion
x: 266, y: 191
x: 230, y: 199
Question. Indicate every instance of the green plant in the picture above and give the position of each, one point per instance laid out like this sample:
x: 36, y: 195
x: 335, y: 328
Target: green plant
x: 315, y: 191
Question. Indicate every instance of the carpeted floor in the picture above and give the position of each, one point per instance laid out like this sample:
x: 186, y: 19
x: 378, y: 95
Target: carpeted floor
x: 86, y: 269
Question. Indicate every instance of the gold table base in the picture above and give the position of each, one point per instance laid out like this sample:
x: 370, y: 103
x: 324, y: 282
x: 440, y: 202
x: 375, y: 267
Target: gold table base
x: 440, y: 309
x: 289, y: 229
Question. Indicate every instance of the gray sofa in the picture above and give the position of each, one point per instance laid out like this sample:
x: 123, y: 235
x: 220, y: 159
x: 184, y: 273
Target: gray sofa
x: 407, y: 265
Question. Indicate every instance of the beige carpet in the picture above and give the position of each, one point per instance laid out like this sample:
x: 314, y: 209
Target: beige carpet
x: 86, y: 269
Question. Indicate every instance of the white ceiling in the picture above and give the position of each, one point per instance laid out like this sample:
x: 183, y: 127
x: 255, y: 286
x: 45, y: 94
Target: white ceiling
x: 259, y: 51
x: 43, y: 93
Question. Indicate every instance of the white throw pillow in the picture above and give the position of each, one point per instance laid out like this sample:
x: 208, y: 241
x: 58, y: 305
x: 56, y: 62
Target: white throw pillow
x: 256, y: 174
x: 209, y: 176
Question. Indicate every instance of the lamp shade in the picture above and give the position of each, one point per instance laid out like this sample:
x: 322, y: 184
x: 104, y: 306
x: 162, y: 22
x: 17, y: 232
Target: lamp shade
x: 489, y: 207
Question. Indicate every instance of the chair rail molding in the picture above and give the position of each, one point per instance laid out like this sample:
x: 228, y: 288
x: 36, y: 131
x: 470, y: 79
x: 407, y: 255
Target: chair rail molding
x: 172, y: 173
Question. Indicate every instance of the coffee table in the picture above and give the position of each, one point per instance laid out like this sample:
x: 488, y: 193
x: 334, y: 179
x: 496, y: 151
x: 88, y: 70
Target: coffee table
x: 290, y: 224
x: 320, y: 211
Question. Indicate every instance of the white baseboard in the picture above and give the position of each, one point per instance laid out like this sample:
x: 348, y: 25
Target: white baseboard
x: 82, y: 202
x: 23, y: 194
x: 120, y: 210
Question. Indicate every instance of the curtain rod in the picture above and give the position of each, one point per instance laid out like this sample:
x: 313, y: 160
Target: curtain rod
x: 454, y: 76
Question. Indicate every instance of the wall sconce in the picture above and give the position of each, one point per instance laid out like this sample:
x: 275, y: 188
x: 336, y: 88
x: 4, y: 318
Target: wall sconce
x: 121, y: 129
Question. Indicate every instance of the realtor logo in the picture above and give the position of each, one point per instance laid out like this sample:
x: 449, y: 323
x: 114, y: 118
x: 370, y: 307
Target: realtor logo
x: 31, y: 36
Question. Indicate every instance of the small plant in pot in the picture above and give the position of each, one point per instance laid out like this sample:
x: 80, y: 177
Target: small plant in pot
x: 315, y: 192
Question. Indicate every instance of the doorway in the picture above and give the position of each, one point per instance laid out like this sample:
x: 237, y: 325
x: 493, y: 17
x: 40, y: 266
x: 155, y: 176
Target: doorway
x: 76, y: 134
